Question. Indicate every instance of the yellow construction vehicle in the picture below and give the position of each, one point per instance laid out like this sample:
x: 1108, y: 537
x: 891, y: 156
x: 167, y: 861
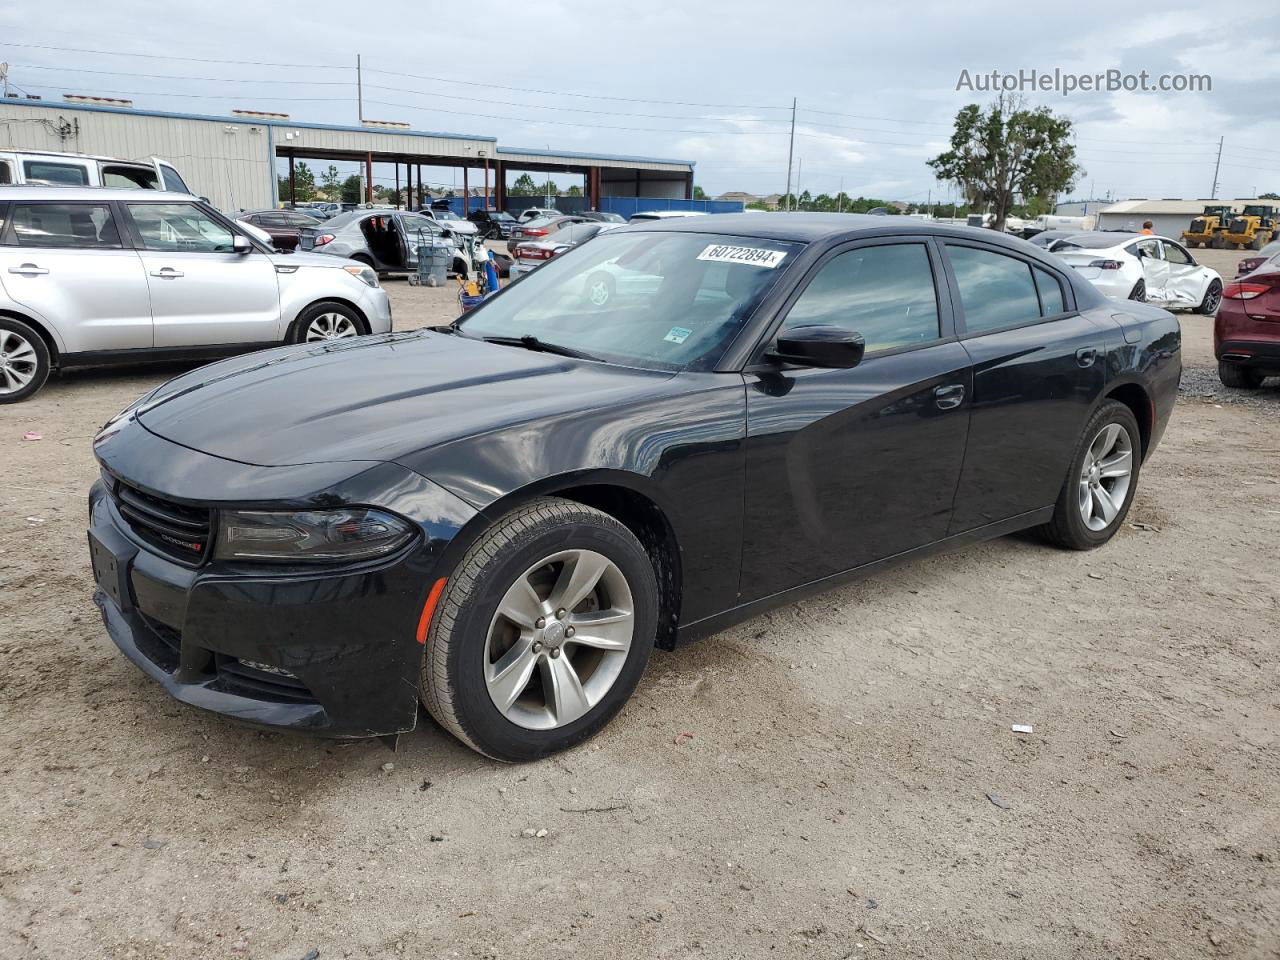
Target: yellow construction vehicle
x: 1206, y: 230
x: 1253, y: 229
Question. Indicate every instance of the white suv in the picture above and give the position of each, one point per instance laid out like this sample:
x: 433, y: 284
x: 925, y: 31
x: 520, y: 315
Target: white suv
x: 92, y: 276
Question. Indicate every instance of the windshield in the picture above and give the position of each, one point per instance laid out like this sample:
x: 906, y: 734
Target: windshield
x: 495, y: 215
x: 670, y: 301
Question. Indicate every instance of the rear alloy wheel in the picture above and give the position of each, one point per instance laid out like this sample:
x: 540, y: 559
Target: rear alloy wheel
x: 1212, y: 299
x: 1139, y: 292
x: 324, y: 322
x: 542, y: 633
x: 1242, y: 378
x: 24, y: 361
x: 601, y: 288
x: 1101, y: 481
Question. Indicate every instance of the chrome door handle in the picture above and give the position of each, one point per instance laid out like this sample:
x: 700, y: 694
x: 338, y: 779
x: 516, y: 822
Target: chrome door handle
x: 29, y: 270
x: 949, y: 397
x: 167, y: 273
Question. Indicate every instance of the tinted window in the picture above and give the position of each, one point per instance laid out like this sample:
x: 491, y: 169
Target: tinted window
x: 172, y: 181
x: 884, y: 293
x: 70, y: 173
x: 1051, y: 301
x: 179, y: 227
x: 6, y: 175
x: 1175, y: 254
x: 995, y: 290
x: 64, y: 225
x: 120, y: 175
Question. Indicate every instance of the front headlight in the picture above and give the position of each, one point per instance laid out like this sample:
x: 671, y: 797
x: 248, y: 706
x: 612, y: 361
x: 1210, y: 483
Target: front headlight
x: 353, y: 533
x: 361, y: 272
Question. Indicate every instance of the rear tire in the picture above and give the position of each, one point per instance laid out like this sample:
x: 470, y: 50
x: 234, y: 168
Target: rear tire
x: 1212, y: 299
x: 1111, y: 439
x: 1242, y: 378
x: 477, y: 657
x: 24, y: 361
x: 1139, y: 292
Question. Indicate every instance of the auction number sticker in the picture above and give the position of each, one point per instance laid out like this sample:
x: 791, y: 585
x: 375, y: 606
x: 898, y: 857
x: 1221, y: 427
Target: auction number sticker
x: 748, y: 256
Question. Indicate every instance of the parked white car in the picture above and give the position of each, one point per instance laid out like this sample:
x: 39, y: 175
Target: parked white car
x: 647, y: 215
x: 48, y: 168
x: 537, y: 213
x: 1136, y: 266
x: 95, y: 275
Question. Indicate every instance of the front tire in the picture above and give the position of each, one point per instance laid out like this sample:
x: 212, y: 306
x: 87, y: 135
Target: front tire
x: 326, y: 321
x: 24, y: 361
x: 1101, y: 481
x: 1242, y: 378
x: 542, y: 633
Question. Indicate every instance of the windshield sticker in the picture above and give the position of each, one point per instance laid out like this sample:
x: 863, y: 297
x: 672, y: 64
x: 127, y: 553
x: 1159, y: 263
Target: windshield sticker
x: 748, y: 256
x: 678, y: 334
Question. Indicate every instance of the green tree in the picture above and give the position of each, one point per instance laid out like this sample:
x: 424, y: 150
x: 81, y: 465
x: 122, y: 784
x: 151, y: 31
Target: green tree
x: 699, y: 193
x: 352, y: 189
x: 525, y: 187
x: 331, y: 182
x: 1009, y: 151
x: 1269, y: 196
x: 304, y: 182
x: 573, y: 191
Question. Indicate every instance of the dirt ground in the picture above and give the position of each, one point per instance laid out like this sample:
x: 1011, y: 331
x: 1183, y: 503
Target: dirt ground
x: 850, y: 785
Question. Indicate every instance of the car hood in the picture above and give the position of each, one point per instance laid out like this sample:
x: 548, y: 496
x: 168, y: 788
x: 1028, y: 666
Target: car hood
x: 376, y: 398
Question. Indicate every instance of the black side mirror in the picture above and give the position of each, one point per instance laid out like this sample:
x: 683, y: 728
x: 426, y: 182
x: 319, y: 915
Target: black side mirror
x: 820, y: 346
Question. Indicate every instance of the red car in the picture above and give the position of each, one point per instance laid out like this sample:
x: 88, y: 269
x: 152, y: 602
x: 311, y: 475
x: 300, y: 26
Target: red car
x: 285, y: 226
x: 1246, y: 331
x: 1255, y: 260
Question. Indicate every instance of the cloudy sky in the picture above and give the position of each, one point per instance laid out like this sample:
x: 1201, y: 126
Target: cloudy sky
x: 710, y: 82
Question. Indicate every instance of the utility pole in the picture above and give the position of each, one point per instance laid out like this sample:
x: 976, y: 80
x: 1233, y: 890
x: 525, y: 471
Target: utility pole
x: 1217, y: 164
x: 840, y: 197
x: 4, y: 78
x: 799, y: 174
x: 359, y: 90
x: 791, y: 150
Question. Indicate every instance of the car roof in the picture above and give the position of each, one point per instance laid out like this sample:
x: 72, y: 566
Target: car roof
x: 1105, y: 240
x: 39, y: 192
x: 810, y: 227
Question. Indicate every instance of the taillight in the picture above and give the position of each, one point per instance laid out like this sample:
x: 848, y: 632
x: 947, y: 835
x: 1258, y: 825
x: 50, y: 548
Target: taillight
x: 533, y: 253
x: 535, y: 232
x: 1105, y: 264
x: 323, y: 239
x: 1245, y: 291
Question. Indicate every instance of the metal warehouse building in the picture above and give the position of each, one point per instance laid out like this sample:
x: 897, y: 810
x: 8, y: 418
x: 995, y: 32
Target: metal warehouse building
x: 232, y: 159
x: 1169, y: 217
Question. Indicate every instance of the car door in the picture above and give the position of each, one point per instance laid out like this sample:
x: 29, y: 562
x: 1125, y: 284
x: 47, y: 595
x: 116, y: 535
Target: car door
x: 70, y: 264
x: 203, y: 293
x: 1038, y: 368
x: 1155, y: 271
x: 845, y: 467
x: 418, y: 231
x: 1185, y: 283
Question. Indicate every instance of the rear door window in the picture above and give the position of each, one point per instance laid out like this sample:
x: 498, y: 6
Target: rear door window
x: 43, y: 171
x: 129, y: 176
x: 996, y: 291
x: 6, y: 173
x: 74, y: 225
x: 172, y: 181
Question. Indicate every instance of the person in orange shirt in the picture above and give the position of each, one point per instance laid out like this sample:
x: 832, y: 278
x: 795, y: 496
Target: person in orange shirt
x: 1146, y: 228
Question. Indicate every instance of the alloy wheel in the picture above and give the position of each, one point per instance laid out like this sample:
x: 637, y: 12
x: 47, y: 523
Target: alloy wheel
x: 1212, y: 299
x: 1105, y: 476
x: 330, y: 326
x: 18, y: 362
x: 559, y: 639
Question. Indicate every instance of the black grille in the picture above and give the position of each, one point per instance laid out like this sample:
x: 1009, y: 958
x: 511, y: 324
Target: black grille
x: 1239, y: 225
x: 249, y: 680
x: 1198, y: 226
x: 179, y: 531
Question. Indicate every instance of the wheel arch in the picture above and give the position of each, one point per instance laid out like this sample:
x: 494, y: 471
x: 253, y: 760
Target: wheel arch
x: 629, y: 500
x: 1134, y: 396
x: 39, y: 326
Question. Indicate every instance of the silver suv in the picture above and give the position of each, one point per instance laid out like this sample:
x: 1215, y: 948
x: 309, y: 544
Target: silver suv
x: 93, y: 275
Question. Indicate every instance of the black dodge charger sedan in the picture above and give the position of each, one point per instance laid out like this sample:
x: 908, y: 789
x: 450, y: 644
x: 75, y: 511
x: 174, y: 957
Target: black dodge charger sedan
x: 664, y: 431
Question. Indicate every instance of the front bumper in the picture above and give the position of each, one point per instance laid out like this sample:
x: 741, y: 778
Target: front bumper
x: 323, y: 651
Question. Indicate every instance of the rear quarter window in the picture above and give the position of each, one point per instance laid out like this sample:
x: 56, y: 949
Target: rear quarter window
x: 996, y: 291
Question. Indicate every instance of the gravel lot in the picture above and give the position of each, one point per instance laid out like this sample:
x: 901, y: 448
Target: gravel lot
x: 851, y: 786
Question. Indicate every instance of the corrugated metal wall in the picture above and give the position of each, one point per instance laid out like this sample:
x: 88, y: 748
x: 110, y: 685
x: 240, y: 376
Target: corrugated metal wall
x: 228, y: 163
x: 629, y: 206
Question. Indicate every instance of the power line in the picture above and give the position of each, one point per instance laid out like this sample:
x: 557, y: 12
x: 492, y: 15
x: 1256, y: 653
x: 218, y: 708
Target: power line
x: 176, y: 76
x: 154, y: 56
